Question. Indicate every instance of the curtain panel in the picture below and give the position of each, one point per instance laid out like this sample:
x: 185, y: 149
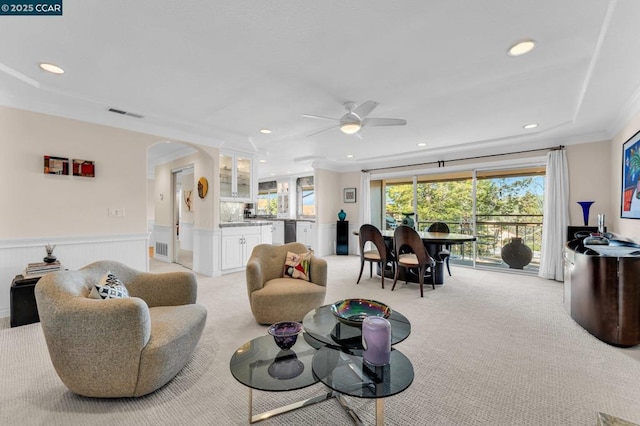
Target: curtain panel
x: 555, y: 216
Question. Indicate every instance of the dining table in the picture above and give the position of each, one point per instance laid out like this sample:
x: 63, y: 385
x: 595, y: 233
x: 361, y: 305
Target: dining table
x: 434, y: 242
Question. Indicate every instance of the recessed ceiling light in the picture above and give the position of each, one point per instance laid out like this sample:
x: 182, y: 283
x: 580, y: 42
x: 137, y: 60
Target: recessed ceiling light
x: 265, y: 131
x: 422, y: 144
x: 51, y: 68
x: 263, y: 161
x: 530, y: 126
x: 349, y: 155
x: 288, y: 172
x: 272, y: 174
x: 521, y: 48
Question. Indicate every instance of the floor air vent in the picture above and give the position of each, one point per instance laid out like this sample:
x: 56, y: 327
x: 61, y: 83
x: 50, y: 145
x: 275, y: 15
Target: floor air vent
x: 162, y: 249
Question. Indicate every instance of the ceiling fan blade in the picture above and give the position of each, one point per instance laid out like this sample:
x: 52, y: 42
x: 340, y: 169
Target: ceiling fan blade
x: 324, y: 130
x: 319, y: 117
x: 383, y: 122
x: 360, y: 134
x: 365, y: 109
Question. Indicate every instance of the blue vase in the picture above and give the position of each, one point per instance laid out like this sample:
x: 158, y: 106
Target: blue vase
x: 342, y: 215
x: 585, y: 210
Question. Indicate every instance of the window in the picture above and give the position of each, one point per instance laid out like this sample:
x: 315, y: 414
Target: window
x: 267, y: 199
x: 306, y: 200
x: 507, y: 205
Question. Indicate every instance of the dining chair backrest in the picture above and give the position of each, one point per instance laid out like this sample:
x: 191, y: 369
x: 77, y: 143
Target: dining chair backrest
x: 407, y: 237
x: 371, y: 233
x: 438, y: 227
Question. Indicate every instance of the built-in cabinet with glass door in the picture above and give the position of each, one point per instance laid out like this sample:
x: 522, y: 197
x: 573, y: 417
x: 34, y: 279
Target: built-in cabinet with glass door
x: 236, y: 177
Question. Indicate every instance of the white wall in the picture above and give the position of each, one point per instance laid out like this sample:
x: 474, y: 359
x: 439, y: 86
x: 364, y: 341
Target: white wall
x: 627, y: 227
x: 69, y: 211
x: 590, y: 182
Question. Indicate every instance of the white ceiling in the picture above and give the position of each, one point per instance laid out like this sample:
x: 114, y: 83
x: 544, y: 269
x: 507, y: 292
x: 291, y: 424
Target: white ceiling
x: 215, y: 72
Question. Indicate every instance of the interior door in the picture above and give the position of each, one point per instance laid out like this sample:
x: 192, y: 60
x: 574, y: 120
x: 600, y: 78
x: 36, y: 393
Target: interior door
x: 183, y: 185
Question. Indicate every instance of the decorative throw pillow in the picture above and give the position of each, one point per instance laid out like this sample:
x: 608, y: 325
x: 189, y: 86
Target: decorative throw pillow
x: 109, y: 287
x: 297, y: 265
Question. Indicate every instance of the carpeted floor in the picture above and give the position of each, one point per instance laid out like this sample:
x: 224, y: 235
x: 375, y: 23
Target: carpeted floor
x: 488, y: 348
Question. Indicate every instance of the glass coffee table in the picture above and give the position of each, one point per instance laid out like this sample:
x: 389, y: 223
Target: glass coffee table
x: 260, y: 364
x: 329, y: 352
x: 323, y: 328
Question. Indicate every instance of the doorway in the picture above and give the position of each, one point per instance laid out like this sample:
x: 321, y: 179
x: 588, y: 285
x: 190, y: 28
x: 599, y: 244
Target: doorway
x: 183, y: 216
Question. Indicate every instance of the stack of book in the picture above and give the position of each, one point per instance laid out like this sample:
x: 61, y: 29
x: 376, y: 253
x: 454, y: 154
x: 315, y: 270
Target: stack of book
x: 38, y: 269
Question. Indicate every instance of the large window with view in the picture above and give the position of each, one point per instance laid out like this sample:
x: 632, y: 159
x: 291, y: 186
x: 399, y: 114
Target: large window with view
x: 267, y: 202
x: 500, y: 207
x: 306, y: 201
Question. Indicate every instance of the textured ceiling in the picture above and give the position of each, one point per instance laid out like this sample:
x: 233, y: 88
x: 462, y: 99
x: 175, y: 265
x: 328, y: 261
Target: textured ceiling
x: 215, y: 72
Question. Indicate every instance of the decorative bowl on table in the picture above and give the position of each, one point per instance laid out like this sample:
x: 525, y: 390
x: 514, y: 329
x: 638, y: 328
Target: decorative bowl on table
x: 285, y: 333
x: 354, y: 311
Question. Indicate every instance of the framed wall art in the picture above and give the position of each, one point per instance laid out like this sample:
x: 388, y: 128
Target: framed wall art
x: 84, y: 168
x: 349, y: 195
x: 56, y: 165
x: 630, y: 191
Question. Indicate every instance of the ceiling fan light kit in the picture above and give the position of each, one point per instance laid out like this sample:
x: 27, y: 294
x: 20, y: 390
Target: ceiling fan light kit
x: 356, y: 118
x: 350, y: 128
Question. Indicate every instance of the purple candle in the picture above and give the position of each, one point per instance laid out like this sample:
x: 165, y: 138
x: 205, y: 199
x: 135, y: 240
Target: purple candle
x: 376, y: 340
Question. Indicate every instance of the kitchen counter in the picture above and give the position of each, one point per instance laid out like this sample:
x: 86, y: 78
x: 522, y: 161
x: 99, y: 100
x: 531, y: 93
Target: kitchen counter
x: 280, y: 219
x: 246, y: 223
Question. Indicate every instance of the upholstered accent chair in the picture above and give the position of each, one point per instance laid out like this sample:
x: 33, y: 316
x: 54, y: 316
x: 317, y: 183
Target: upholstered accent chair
x: 121, y: 347
x: 274, y: 297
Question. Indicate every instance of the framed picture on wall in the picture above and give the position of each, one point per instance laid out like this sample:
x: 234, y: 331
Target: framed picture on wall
x: 84, y: 168
x: 630, y: 191
x: 349, y: 195
x: 56, y: 165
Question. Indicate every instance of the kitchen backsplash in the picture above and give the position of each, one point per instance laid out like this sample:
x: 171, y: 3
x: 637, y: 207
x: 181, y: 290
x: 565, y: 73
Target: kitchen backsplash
x: 231, y: 212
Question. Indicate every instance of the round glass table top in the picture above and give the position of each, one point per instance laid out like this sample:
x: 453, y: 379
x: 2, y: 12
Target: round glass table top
x: 351, y: 375
x: 261, y: 364
x: 322, y: 325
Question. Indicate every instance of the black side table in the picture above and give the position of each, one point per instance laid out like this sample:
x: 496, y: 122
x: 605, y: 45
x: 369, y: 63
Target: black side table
x: 23, y: 301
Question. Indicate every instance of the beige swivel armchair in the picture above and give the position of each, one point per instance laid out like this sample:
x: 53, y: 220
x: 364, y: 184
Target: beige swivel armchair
x: 274, y: 298
x: 124, y: 347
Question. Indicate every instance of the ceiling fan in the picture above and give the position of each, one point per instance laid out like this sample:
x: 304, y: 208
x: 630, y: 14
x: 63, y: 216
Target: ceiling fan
x: 356, y: 118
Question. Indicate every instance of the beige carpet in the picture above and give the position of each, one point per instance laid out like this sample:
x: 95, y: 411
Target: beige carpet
x: 488, y: 348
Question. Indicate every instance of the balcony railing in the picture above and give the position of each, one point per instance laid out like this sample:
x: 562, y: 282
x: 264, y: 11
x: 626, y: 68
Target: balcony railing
x: 493, y: 232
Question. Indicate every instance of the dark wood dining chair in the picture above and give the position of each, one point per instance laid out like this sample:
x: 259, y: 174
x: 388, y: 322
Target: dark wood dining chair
x: 445, y: 252
x: 411, y: 253
x: 377, y: 254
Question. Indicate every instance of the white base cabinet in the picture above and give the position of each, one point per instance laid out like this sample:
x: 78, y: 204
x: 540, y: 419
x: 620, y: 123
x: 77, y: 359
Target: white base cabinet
x: 306, y: 233
x: 237, y: 243
x: 278, y: 232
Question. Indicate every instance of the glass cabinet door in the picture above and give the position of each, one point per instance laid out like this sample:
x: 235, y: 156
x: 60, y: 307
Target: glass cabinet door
x: 226, y: 175
x: 243, y: 177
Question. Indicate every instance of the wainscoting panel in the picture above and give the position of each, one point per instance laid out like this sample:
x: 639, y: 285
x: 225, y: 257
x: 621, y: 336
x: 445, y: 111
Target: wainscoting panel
x: 204, y: 252
x: 326, y: 239
x: 162, y: 235
x: 73, y: 253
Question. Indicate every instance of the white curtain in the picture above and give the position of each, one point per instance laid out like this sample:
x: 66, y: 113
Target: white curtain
x: 365, y: 198
x: 556, y: 216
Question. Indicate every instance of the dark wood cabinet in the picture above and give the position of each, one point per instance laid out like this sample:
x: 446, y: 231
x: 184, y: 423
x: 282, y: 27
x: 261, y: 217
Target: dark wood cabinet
x: 602, y: 294
x: 342, y: 237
